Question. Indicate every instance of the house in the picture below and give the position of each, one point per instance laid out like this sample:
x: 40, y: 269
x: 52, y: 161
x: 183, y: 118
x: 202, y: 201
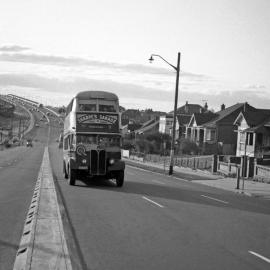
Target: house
x: 183, y: 121
x: 166, y: 125
x: 253, y: 133
x: 196, y: 130
x: 216, y: 135
x: 185, y: 113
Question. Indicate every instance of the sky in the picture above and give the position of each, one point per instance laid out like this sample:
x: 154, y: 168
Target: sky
x: 52, y: 49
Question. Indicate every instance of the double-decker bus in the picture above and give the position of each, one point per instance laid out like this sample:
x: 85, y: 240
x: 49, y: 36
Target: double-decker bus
x: 92, y: 138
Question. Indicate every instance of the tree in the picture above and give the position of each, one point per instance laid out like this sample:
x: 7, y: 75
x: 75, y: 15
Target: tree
x: 62, y: 110
x: 188, y: 147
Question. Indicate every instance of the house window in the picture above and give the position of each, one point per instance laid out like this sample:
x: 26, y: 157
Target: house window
x: 266, y: 140
x: 250, y: 139
x: 66, y: 143
x: 210, y: 135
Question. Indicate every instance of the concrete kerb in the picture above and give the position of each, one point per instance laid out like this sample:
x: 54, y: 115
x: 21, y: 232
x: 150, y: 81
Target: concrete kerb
x: 43, y: 244
x: 160, y: 169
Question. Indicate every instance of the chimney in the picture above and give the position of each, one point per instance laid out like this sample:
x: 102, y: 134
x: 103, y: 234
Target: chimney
x: 186, y: 107
x: 245, y: 106
x: 222, y: 107
x: 205, y: 107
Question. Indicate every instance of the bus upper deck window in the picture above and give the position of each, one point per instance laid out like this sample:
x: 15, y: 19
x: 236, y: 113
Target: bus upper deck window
x: 88, y: 107
x: 106, y: 108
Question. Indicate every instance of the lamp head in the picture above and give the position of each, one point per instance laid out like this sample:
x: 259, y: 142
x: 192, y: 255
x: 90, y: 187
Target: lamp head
x: 151, y: 59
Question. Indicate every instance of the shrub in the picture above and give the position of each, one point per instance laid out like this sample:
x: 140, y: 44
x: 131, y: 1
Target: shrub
x: 189, y: 147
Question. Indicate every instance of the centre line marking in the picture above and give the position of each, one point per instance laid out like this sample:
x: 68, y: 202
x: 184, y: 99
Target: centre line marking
x: 158, y: 182
x: 161, y: 206
x: 259, y: 256
x: 214, y: 199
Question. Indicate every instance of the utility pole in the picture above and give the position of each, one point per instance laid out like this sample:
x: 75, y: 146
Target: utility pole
x: 177, y: 68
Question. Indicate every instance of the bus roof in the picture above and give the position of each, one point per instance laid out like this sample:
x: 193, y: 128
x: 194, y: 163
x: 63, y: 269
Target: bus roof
x: 96, y: 95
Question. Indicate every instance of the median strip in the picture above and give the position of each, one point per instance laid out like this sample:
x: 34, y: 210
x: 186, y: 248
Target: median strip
x: 43, y: 244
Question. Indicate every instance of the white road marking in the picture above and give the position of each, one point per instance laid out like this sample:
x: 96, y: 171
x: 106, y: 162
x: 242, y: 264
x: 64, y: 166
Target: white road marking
x: 214, y: 199
x: 158, y: 182
x: 259, y: 256
x: 161, y: 206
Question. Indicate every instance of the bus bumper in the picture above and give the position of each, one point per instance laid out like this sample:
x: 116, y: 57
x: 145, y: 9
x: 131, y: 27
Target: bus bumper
x: 117, y: 166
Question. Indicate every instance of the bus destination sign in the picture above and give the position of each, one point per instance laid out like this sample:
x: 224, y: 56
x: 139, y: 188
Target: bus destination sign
x: 97, y: 122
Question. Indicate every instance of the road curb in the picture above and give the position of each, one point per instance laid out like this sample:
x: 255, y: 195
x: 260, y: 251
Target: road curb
x: 161, y: 171
x: 43, y: 244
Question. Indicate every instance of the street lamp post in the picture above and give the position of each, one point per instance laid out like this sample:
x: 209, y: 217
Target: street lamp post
x: 177, y: 68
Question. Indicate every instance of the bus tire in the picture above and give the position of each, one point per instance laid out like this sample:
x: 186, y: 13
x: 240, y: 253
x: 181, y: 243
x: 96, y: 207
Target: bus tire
x: 71, y: 177
x: 120, y: 178
x: 65, y: 170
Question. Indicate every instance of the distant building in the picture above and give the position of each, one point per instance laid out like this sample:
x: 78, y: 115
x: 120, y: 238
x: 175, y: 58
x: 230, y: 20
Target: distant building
x: 166, y: 125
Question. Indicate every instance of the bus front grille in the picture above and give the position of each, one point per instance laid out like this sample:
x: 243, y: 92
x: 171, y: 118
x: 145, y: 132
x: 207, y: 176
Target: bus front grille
x: 98, y: 162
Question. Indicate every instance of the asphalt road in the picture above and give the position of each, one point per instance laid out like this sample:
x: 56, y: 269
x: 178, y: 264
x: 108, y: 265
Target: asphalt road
x: 18, y: 174
x: 159, y: 222
x: 153, y: 222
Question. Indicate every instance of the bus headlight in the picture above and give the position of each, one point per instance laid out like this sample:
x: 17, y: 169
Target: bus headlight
x: 111, y: 161
x: 84, y: 161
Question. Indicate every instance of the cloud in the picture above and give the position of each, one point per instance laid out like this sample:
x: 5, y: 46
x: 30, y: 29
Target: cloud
x: 75, y: 85
x: 254, y: 86
x: 77, y: 61
x: 65, y: 88
x: 13, y: 48
x: 256, y: 99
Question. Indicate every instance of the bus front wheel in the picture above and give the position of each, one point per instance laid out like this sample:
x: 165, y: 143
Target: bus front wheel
x: 71, y: 177
x: 120, y: 178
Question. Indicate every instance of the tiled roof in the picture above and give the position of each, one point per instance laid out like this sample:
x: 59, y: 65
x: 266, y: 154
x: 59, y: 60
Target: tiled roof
x: 259, y: 122
x: 189, y: 109
x: 256, y: 118
x: 258, y: 129
x: 202, y: 118
x: 228, y: 111
x: 183, y: 119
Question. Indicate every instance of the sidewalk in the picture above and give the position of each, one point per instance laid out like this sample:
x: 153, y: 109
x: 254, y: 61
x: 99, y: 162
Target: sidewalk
x: 250, y: 188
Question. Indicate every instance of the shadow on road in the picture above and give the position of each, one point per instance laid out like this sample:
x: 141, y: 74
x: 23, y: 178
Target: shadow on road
x: 184, y: 194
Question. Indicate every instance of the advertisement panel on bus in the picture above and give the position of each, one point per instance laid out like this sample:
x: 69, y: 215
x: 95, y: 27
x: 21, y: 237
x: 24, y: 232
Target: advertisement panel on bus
x: 97, y: 122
